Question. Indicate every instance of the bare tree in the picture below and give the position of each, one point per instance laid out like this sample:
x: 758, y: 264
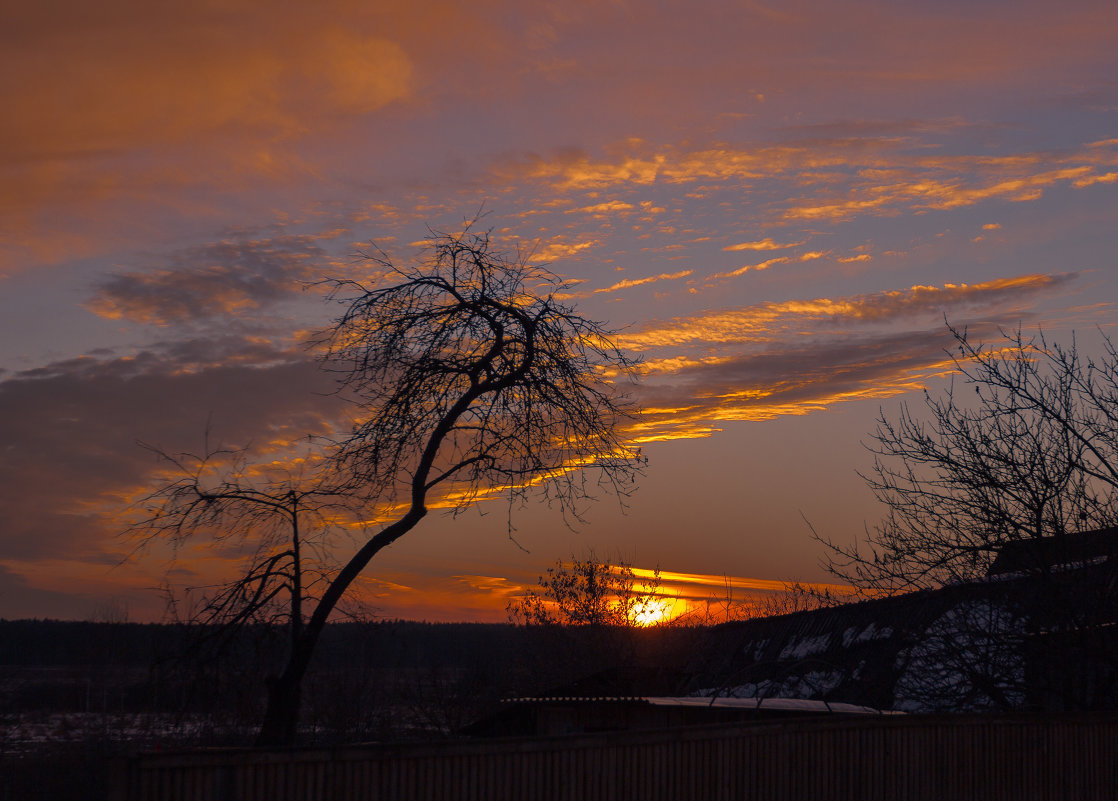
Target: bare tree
x: 280, y: 521
x: 971, y: 658
x: 596, y: 626
x: 276, y: 518
x: 590, y: 592
x: 1021, y: 448
x: 470, y: 378
x: 1032, y: 453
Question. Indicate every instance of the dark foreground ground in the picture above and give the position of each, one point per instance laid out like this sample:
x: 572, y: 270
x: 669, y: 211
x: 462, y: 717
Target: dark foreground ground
x: 75, y: 695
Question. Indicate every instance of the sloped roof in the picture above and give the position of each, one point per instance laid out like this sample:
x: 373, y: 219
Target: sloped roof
x: 698, y: 702
x: 1055, y: 553
x: 960, y: 647
x: 840, y: 654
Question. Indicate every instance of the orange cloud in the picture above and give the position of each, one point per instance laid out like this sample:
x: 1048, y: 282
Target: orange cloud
x: 178, y: 75
x: 801, y: 356
x: 764, y: 265
x: 170, y: 109
x: 558, y: 250
x: 764, y: 244
x: 1107, y: 178
x: 864, y: 175
x: 708, y: 580
x: 604, y: 208
x: 788, y: 381
x: 632, y: 282
x: 760, y: 323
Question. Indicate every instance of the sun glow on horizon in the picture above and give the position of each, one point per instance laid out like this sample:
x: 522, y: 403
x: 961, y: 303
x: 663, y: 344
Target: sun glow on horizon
x: 654, y: 613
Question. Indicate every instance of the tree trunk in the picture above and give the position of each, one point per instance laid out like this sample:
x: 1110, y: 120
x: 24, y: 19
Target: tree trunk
x: 281, y: 718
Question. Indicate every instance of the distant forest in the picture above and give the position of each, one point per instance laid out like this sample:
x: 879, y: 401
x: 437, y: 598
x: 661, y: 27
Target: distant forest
x: 73, y: 695
x: 373, y: 680
x: 54, y: 643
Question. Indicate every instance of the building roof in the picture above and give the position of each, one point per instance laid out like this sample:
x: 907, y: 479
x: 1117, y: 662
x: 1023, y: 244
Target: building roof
x: 698, y: 702
x: 1065, y: 552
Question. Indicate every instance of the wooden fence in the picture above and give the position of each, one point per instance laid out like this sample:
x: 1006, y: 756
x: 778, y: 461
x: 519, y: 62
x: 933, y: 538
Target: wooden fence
x: 912, y: 758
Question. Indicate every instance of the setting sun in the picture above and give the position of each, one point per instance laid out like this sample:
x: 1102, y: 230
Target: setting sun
x: 653, y: 612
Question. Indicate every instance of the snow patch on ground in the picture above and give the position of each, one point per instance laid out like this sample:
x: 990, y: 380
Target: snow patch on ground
x: 870, y: 632
x: 968, y: 660
x: 801, y: 648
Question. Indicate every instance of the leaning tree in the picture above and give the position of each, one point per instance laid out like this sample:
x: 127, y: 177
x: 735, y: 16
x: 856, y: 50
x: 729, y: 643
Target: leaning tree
x: 470, y: 379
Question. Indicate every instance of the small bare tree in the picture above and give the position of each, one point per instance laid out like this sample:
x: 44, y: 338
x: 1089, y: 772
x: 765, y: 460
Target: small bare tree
x: 280, y: 522
x: 470, y: 378
x: 590, y: 592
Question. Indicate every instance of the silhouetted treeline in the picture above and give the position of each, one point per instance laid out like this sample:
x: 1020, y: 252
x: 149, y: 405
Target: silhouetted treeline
x: 67, y: 643
x: 74, y: 694
x: 130, y: 667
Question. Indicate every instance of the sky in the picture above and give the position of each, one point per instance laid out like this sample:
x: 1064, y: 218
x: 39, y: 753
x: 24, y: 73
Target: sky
x: 776, y: 205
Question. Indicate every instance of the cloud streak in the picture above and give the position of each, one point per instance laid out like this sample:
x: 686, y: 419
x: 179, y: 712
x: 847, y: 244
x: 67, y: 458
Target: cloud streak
x: 787, y: 380
x: 762, y: 322
x: 652, y: 279
x: 832, y: 179
x: 764, y: 244
x: 801, y: 356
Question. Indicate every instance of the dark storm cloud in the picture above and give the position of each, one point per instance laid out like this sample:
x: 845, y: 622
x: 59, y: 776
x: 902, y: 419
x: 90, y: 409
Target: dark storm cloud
x: 215, y: 279
x: 19, y: 599
x: 69, y: 457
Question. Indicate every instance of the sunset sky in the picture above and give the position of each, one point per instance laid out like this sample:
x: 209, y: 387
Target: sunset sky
x: 775, y: 204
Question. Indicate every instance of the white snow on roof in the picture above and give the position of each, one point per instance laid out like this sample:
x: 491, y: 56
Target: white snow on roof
x: 775, y: 704
x: 770, y: 704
